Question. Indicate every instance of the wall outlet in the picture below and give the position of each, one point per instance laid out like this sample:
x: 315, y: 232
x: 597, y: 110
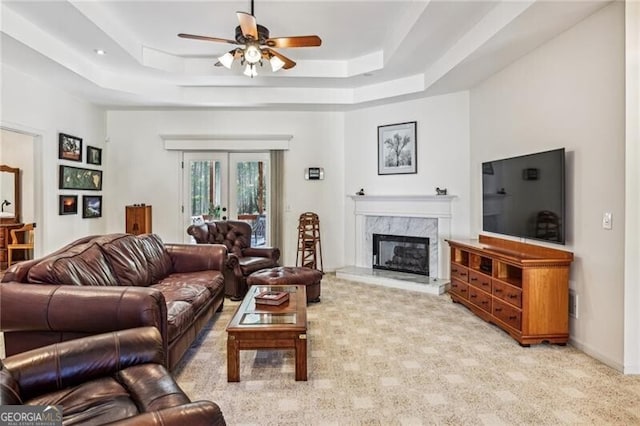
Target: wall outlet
x: 573, y: 304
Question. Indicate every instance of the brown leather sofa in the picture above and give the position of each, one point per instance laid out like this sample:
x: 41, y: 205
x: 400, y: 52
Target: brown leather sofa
x: 113, y: 282
x: 243, y: 259
x: 116, y: 378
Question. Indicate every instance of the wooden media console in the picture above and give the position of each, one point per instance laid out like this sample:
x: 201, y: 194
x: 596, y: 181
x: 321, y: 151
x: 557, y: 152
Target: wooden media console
x: 521, y: 288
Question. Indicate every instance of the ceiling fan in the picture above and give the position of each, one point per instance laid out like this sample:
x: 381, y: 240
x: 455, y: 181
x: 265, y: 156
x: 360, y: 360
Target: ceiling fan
x: 256, y: 45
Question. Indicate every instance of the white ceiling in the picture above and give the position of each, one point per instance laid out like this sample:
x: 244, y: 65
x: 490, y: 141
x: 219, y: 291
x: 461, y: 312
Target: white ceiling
x: 372, y: 51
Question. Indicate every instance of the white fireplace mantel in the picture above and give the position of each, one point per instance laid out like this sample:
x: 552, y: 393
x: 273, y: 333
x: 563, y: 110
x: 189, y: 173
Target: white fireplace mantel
x: 412, y: 206
x: 432, y: 206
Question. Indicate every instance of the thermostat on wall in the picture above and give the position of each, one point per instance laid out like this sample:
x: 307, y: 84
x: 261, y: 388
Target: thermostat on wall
x: 314, y: 173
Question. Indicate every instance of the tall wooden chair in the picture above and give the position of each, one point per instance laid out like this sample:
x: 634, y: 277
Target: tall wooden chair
x: 25, y: 243
x: 309, y: 247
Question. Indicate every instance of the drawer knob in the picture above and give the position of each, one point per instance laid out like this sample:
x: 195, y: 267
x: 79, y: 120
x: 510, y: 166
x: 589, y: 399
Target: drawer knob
x: 474, y: 279
x: 498, y: 309
x: 513, y: 296
x: 512, y: 317
x: 473, y: 296
x: 498, y: 290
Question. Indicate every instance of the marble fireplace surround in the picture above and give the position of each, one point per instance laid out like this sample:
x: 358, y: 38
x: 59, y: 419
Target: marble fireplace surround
x: 412, y: 215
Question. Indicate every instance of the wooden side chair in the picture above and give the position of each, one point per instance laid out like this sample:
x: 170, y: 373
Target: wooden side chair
x: 24, y: 243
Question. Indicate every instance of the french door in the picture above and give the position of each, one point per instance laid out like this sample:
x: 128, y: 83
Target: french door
x: 228, y: 185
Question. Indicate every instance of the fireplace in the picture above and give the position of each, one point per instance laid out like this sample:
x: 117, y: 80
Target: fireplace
x: 425, y: 216
x: 401, y: 253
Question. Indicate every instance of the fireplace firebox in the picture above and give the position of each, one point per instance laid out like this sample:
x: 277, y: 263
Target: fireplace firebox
x: 401, y: 253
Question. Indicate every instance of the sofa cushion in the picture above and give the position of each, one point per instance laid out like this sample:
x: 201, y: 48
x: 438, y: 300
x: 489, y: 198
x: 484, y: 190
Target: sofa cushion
x: 158, y: 258
x: 196, y: 288
x: 249, y: 265
x: 180, y: 316
x: 127, y: 258
x: 186, y: 295
x: 83, y: 264
x: 97, y: 401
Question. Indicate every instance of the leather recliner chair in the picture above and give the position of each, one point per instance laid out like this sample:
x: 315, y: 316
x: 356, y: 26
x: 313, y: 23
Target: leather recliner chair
x: 242, y: 259
x: 115, y: 378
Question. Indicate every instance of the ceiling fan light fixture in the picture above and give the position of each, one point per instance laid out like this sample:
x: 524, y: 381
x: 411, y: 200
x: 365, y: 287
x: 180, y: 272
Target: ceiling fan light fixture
x: 252, y: 54
x: 250, y: 70
x: 276, y: 63
x: 254, y: 43
x: 226, y: 60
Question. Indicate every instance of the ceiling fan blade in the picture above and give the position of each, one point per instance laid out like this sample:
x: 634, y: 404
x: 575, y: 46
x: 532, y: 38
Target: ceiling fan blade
x: 288, y: 63
x: 297, y: 41
x: 248, y: 25
x: 205, y: 38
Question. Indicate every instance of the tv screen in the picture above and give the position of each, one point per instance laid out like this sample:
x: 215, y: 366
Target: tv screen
x: 524, y: 196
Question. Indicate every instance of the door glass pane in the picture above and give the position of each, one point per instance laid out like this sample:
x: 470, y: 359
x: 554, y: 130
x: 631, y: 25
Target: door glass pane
x: 251, y: 201
x: 205, y: 190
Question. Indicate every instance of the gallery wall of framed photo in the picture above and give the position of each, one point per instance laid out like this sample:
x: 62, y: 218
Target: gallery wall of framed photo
x: 79, y: 173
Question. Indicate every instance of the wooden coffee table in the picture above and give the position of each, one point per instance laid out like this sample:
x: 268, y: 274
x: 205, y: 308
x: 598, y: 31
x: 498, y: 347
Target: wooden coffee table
x: 269, y: 327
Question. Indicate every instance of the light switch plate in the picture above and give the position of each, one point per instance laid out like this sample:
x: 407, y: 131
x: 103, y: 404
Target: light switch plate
x: 606, y: 220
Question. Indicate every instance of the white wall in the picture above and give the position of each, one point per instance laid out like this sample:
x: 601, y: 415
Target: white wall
x: 16, y: 150
x: 33, y: 107
x: 442, y: 150
x: 570, y: 93
x: 142, y: 171
x: 632, y: 190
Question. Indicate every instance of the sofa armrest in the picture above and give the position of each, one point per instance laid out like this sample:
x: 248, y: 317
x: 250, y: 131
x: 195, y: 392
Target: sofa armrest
x: 270, y: 252
x: 87, y: 310
x: 197, y: 257
x: 199, y: 413
x: 67, y: 364
x: 233, y: 264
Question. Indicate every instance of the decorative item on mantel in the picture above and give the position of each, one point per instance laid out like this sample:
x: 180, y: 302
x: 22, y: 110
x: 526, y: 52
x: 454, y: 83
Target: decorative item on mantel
x: 361, y: 192
x: 442, y: 191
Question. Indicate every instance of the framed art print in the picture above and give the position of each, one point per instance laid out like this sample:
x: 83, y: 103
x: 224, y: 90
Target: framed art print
x: 69, y: 147
x: 397, y: 149
x: 94, y: 155
x: 79, y: 178
x: 91, y: 206
x: 68, y: 204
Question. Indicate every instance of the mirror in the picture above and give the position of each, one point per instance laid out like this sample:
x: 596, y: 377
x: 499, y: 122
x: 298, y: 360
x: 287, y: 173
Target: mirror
x: 9, y: 194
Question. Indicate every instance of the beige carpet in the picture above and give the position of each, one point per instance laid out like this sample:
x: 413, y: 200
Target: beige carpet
x: 380, y: 356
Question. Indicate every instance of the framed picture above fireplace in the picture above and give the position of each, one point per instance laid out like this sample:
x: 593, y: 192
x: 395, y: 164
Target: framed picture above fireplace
x: 397, y: 145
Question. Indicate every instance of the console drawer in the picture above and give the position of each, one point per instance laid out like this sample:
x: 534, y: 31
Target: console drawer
x: 459, y: 288
x: 507, y: 293
x: 480, y: 299
x: 507, y: 314
x: 459, y: 272
x: 479, y: 280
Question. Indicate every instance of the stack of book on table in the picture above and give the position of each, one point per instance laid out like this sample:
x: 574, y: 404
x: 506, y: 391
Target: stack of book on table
x: 272, y: 297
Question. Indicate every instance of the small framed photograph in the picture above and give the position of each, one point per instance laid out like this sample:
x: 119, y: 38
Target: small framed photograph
x: 68, y: 204
x: 79, y: 178
x: 94, y: 155
x: 91, y: 206
x: 69, y: 147
x: 397, y: 146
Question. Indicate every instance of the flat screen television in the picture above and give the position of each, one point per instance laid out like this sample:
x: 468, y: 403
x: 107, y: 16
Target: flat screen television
x: 524, y: 196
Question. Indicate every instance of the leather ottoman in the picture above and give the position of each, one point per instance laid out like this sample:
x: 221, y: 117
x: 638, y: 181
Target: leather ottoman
x: 282, y: 275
